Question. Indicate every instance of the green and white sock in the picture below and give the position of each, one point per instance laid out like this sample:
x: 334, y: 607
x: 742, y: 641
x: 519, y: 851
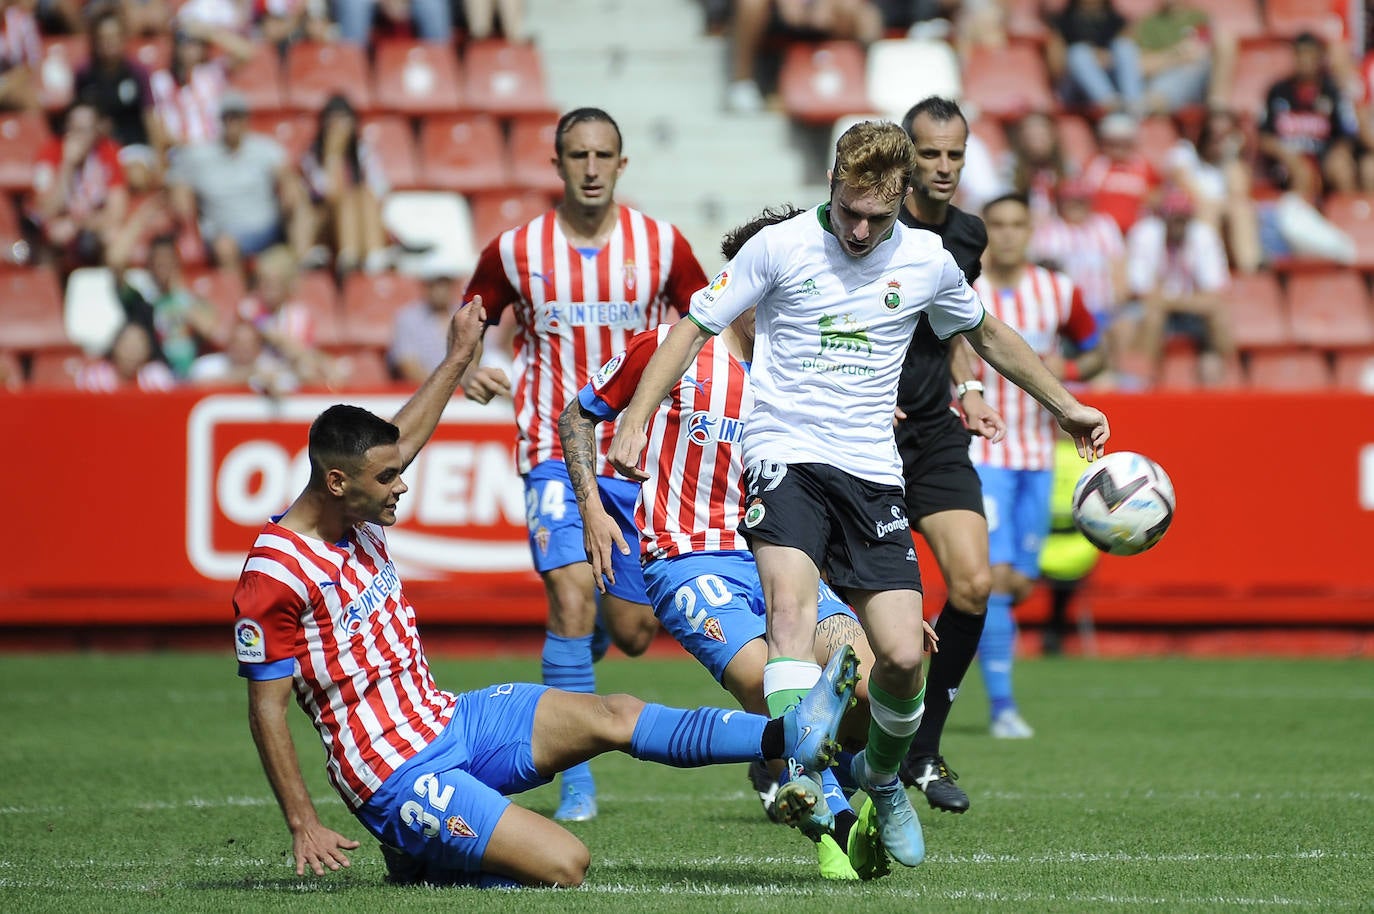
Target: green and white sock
x: 786, y: 682
x: 890, y: 733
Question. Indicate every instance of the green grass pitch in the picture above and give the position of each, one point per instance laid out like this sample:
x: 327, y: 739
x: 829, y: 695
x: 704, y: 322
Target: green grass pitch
x: 130, y: 783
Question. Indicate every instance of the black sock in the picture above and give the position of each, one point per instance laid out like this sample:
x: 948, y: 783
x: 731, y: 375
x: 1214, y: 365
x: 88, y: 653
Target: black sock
x: 771, y: 745
x: 959, y: 633
x: 845, y: 820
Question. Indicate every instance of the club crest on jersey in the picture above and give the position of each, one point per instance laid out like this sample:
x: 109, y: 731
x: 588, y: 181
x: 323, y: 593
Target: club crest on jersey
x: 457, y: 828
x: 541, y: 539
x: 607, y: 371
x: 717, y: 285
x: 712, y: 629
x: 704, y: 428
x: 249, y: 646
x: 630, y: 275
x: 892, y: 298
x: 843, y: 334
x: 355, y: 614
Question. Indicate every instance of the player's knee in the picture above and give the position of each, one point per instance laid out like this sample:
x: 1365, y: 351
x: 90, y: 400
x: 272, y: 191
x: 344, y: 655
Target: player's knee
x: 903, y: 660
x: 969, y: 592
x: 570, y: 871
x: 637, y: 639
x: 622, y: 713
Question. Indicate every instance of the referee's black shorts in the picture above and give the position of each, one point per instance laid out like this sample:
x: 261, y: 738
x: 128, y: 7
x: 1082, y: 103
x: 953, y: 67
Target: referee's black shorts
x: 936, y: 467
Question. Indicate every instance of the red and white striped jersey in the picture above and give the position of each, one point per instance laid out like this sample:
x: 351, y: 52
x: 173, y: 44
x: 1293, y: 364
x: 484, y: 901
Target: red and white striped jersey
x: 1088, y: 252
x: 574, y: 310
x: 332, y: 616
x: 1043, y: 306
x: 190, y: 113
x: 693, y: 499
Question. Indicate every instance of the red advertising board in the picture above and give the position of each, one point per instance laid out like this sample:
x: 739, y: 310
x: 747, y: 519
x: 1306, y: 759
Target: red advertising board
x: 139, y: 508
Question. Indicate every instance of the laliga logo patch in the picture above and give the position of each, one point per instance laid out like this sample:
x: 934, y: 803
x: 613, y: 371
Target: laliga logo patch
x: 607, y: 371
x: 712, y: 629
x: 717, y: 285
x: 892, y: 298
x: 457, y: 828
x: 248, y: 642
x: 754, y: 516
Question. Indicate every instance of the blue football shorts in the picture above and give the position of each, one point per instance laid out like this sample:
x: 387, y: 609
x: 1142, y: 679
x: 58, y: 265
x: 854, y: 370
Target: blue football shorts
x: 1017, y: 505
x: 443, y: 805
x: 712, y: 603
x: 555, y: 527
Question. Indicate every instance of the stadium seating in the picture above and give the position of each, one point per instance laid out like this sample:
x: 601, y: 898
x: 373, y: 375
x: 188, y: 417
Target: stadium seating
x: 1286, y: 18
x: 822, y: 82
x: 364, y: 369
x: 223, y: 289
x: 1355, y: 371
x: 1289, y: 371
x: 1258, y: 317
x: 21, y: 136
x: 295, y: 132
x: 1354, y: 214
x: 55, y: 369
x: 31, y: 310
x: 1077, y: 141
x: 91, y: 309
x: 504, y: 79
x: 390, y: 139
x: 370, y: 304
x: 1330, y: 310
x: 895, y: 65
x: 317, y: 70
x: 315, y: 290
x: 990, y: 131
x: 1157, y: 137
x: 259, y: 79
x: 415, y: 77
x: 439, y: 222
x: 1238, y: 18
x: 11, y: 233
x: 530, y: 151
x: 1008, y: 82
x: 1258, y: 67
x: 462, y: 153
x: 493, y: 213
x: 63, y: 55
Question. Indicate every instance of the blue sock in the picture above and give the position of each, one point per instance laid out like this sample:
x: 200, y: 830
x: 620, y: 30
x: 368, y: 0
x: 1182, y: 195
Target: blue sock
x: 702, y: 736
x: 834, y: 794
x: 995, y: 650
x: 567, y: 665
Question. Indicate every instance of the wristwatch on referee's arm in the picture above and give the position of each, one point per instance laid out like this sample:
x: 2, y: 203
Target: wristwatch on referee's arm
x: 968, y: 387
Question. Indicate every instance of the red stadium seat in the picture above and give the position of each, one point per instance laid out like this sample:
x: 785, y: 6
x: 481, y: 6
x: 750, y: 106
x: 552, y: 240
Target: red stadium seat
x: 364, y: 369
x: 1289, y: 371
x: 531, y: 148
x: 63, y: 55
x: 1157, y: 137
x: 1355, y: 371
x: 295, y: 132
x: 221, y: 288
x: 1238, y: 18
x: 1330, y: 310
x: 504, y: 79
x: 1077, y: 141
x: 820, y: 83
x: 315, y: 71
x: 993, y: 136
x: 391, y: 140
x: 11, y: 233
x: 1007, y: 82
x: 31, y: 310
x: 259, y: 79
x: 1354, y: 214
x: 1286, y: 18
x: 463, y: 153
x: 493, y: 213
x: 315, y: 289
x: 21, y: 136
x: 1025, y: 20
x: 370, y: 304
x: 1180, y: 368
x: 153, y: 52
x: 55, y: 369
x: 1257, y: 68
x: 1258, y: 317
x: 415, y: 77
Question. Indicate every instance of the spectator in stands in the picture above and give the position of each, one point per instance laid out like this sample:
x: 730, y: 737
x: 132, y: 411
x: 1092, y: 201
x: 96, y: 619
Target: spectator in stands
x: 248, y: 194
x: 1087, y: 247
x: 1177, y: 270
x: 1035, y: 161
x: 431, y: 20
x: 1216, y: 174
x: 418, y: 334
x: 146, y: 17
x: 282, y: 23
x: 287, y: 326
x: 754, y: 20
x: 11, y: 372
x: 130, y: 362
x: 1090, y: 50
x: 119, y: 88
x: 245, y: 361
x: 1124, y: 182
x: 347, y: 186
x: 187, y: 97
x: 1309, y: 133
x: 79, y: 199
x: 1183, y: 59
x: 182, y: 325
x: 21, y: 56
x: 481, y: 17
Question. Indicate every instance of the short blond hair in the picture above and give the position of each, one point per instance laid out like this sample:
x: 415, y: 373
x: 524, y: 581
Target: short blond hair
x: 875, y: 156
x: 278, y: 261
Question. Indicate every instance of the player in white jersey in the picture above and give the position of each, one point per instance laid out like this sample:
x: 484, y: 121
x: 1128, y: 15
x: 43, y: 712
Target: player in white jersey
x: 320, y: 612
x: 1045, y: 307
x: 838, y: 293
x: 582, y: 279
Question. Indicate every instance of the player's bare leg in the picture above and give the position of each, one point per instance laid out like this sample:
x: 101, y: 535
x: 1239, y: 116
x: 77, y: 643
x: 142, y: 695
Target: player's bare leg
x: 631, y: 625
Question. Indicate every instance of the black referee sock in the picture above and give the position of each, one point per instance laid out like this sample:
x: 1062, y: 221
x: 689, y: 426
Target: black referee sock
x: 845, y: 820
x: 772, y: 745
x: 959, y: 633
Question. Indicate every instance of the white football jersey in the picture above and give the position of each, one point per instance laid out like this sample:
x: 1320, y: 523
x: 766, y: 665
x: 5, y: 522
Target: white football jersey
x: 831, y: 332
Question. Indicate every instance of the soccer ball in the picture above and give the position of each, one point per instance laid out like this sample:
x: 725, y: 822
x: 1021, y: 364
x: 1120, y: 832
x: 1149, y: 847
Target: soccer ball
x: 1123, y: 503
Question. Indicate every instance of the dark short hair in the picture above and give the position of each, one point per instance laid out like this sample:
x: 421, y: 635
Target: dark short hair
x: 163, y: 240
x: 736, y: 237
x: 940, y: 110
x: 1309, y: 38
x: 341, y: 435
x: 1006, y: 198
x: 582, y: 116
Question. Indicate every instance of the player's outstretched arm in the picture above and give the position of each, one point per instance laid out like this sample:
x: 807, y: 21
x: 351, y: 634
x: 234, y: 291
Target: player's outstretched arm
x: 1005, y: 350
x: 420, y: 415
x: 600, y: 532
x: 665, y: 369
x: 312, y: 843
x: 979, y: 417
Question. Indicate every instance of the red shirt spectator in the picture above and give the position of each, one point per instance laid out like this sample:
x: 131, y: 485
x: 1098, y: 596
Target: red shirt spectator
x: 1122, y: 180
x: 92, y: 179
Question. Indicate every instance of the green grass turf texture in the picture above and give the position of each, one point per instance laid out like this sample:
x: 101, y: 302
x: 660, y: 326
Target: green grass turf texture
x: 130, y: 783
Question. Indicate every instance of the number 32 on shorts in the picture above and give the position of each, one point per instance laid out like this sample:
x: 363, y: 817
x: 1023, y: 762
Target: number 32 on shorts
x: 707, y: 589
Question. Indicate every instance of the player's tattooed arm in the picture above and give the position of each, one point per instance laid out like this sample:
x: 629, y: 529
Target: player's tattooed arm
x: 577, y: 431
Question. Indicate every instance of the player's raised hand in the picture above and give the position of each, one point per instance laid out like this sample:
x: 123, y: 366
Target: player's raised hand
x: 1088, y: 428
x: 626, y: 450
x: 465, y: 330
x: 601, y: 534
x: 320, y: 848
